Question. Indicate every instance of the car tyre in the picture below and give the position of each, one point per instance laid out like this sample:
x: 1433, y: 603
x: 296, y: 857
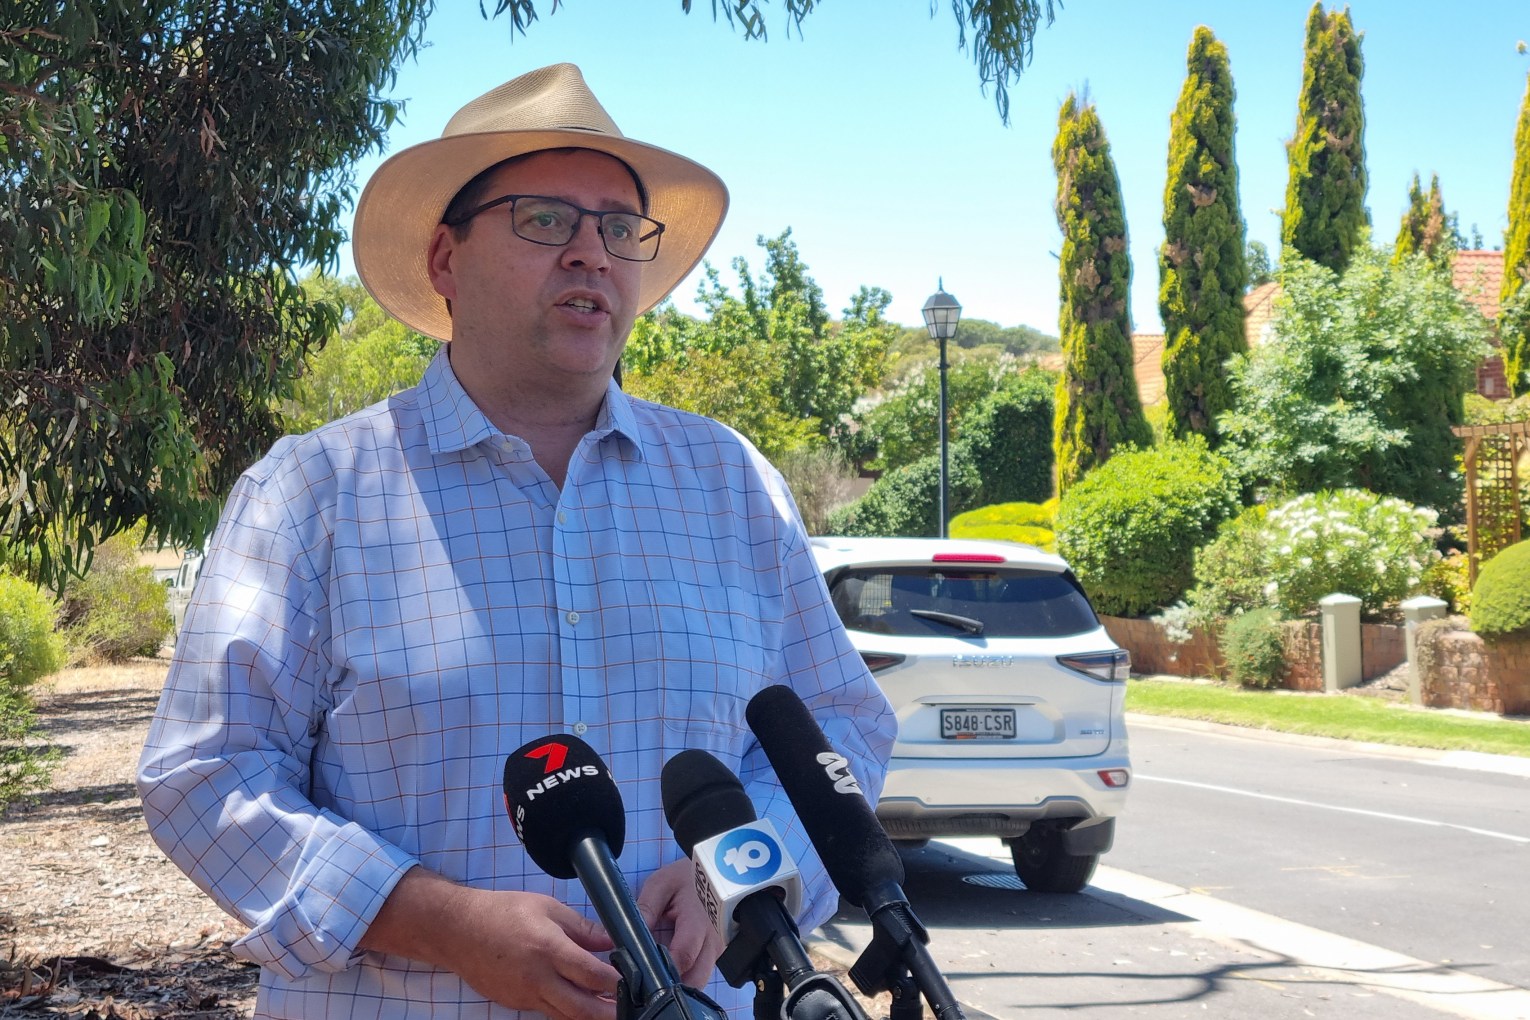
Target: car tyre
x: 1044, y: 866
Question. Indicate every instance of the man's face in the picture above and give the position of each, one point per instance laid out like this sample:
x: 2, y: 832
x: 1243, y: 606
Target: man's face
x: 533, y: 313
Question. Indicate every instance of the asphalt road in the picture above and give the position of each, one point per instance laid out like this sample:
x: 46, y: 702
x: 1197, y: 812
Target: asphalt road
x: 1258, y: 878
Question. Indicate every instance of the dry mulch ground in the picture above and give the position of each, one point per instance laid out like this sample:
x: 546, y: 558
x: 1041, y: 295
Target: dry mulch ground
x: 95, y: 923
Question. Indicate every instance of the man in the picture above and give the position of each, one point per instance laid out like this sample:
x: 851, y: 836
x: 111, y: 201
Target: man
x: 513, y: 548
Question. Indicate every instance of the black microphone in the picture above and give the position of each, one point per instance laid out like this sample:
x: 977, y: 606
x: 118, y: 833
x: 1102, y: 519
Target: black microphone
x: 747, y: 881
x: 860, y: 859
x: 568, y: 814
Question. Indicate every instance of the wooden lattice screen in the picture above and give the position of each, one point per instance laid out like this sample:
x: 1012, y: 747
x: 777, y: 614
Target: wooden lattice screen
x: 1492, y: 488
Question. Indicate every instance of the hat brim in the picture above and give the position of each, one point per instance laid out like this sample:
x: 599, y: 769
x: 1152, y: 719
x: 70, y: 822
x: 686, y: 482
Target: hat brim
x: 404, y: 201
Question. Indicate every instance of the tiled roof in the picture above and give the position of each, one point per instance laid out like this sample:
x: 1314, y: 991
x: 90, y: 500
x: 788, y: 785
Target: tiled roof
x: 1259, y: 311
x: 1147, y: 366
x: 1479, y: 275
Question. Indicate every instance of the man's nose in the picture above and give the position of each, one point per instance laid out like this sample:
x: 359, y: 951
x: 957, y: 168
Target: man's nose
x: 587, y: 249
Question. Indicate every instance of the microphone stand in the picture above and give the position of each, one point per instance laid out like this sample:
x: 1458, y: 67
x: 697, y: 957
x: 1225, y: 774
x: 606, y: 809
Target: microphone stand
x: 768, y: 952
x: 897, y: 960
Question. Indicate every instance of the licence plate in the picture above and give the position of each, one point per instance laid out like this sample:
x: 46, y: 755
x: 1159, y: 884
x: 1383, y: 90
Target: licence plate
x: 976, y: 723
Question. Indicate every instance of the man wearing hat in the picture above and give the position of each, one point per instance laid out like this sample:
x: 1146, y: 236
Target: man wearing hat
x: 513, y: 548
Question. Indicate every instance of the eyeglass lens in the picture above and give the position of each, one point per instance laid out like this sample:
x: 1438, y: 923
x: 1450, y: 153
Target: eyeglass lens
x: 553, y: 222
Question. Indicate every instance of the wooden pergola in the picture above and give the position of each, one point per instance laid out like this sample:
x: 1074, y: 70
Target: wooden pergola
x: 1493, y: 508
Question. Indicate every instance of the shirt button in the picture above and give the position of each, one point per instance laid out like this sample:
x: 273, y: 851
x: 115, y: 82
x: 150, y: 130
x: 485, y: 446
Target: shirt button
x: 572, y: 618
x: 579, y: 729
x: 562, y: 517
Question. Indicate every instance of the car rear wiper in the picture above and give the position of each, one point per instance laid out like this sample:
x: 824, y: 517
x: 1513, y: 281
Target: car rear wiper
x: 965, y: 623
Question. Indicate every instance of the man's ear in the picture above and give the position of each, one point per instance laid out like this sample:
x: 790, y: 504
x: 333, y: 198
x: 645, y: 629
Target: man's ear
x: 441, y: 261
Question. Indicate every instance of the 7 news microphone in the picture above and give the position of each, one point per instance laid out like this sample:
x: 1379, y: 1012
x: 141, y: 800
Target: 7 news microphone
x: 751, y: 889
x: 568, y: 814
x: 861, y: 860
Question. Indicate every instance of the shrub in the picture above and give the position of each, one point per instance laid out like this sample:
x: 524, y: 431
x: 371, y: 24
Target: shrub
x: 1351, y: 541
x: 1230, y: 571
x: 1029, y: 523
x: 1252, y: 650
x: 1449, y: 579
x: 1501, y: 599
x: 29, y: 650
x: 1130, y: 528
x: 820, y: 480
x: 1010, y: 438
x: 906, y: 501
x: 117, y: 610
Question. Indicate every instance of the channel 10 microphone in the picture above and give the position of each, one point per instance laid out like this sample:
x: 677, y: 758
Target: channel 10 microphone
x: 568, y: 814
x: 860, y: 859
x: 750, y: 887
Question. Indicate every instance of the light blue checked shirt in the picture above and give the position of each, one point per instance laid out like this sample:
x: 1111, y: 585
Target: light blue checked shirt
x: 395, y: 602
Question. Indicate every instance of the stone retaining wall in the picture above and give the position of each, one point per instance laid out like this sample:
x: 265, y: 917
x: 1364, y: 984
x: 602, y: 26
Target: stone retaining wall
x: 1459, y: 669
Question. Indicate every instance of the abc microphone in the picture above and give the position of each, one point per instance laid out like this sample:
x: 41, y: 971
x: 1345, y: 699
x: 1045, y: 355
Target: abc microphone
x: 751, y: 889
x: 568, y: 814
x: 861, y: 860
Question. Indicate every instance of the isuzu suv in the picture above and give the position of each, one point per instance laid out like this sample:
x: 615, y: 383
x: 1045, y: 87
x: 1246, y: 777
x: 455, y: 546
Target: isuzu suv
x: 1009, y: 696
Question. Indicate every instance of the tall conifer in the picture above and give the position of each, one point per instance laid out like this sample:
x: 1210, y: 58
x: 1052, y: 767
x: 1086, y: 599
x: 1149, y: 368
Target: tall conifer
x: 1202, y: 270
x: 1097, y: 404
x: 1325, y: 215
x: 1514, y: 325
x: 1426, y: 227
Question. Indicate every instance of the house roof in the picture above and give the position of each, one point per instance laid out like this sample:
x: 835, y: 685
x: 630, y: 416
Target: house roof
x: 1147, y: 366
x: 1259, y: 311
x: 1479, y: 275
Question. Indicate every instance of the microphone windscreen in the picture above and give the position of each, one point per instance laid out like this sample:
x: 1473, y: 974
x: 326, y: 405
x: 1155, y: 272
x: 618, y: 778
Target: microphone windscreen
x: 841, y: 824
x: 558, y: 790
x: 702, y: 797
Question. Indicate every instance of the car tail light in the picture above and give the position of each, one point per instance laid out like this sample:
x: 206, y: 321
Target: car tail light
x: 878, y: 661
x: 956, y: 557
x: 1115, y: 778
x: 1112, y: 665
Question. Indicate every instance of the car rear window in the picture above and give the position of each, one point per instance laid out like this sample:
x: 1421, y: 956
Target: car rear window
x: 993, y: 602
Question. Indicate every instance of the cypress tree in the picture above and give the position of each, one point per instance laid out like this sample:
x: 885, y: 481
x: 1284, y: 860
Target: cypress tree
x: 1097, y: 407
x: 1426, y: 227
x: 1202, y: 270
x: 1325, y: 215
x: 1514, y: 297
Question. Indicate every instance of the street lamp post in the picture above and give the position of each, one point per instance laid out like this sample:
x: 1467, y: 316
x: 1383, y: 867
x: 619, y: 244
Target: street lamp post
x: 941, y: 314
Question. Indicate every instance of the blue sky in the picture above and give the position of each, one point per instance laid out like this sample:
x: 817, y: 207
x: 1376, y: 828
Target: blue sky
x: 870, y: 138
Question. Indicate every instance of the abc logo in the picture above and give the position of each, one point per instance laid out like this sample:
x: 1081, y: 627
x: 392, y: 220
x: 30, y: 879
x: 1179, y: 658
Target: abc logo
x: 747, y: 855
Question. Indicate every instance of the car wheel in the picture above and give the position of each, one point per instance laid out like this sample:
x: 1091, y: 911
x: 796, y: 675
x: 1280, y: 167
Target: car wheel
x: 1044, y: 866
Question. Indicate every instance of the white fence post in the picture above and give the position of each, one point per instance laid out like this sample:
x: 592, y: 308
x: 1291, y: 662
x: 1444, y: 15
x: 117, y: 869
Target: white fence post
x: 1341, y: 642
x: 1415, y: 611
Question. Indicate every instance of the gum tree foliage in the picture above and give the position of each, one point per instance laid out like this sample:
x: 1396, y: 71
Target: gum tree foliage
x: 371, y: 357
x: 1325, y: 215
x: 1514, y: 297
x: 768, y: 361
x: 1361, y: 382
x: 166, y: 166
x: 1097, y: 406
x: 1002, y: 30
x: 904, y: 425
x: 1427, y: 229
x: 1201, y: 269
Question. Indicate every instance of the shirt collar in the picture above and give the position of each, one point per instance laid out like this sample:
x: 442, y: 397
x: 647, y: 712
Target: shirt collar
x: 453, y: 422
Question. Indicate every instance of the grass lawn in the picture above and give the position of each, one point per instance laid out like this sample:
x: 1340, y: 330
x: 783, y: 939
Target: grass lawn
x: 1350, y: 717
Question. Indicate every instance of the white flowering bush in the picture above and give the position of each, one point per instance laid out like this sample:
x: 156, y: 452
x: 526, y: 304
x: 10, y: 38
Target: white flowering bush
x: 1375, y: 548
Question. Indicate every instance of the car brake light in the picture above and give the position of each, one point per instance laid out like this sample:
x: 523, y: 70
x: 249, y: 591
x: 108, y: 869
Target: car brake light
x: 950, y: 557
x: 878, y: 661
x: 1115, y: 778
x: 1112, y: 665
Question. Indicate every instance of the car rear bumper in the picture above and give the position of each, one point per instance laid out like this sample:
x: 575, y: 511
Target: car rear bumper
x: 924, y: 799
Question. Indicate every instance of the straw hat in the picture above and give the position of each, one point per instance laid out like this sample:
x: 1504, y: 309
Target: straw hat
x: 550, y: 108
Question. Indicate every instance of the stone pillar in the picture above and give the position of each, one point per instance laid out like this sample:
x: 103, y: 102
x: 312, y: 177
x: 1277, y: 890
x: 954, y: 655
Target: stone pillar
x: 1415, y: 611
x: 1341, y: 642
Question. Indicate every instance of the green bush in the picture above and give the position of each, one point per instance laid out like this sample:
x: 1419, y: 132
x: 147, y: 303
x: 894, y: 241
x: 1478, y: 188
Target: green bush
x: 1230, y: 572
x: 1130, y: 528
x: 117, y: 610
x: 1501, y: 598
x: 1029, y: 523
x: 29, y: 650
x: 1375, y: 548
x: 1449, y: 580
x: 1252, y: 651
x: 1009, y: 436
x: 906, y: 501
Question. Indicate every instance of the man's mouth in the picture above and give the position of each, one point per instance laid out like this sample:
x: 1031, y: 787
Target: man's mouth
x: 581, y: 305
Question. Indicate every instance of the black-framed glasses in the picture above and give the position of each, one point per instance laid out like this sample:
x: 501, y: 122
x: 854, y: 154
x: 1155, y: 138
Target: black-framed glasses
x: 553, y: 222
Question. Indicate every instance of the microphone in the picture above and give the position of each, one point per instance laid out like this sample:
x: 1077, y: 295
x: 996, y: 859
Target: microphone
x: 568, y: 814
x: 860, y: 859
x: 751, y: 889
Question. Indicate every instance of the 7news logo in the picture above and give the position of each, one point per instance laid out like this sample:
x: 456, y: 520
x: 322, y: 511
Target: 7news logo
x: 747, y: 855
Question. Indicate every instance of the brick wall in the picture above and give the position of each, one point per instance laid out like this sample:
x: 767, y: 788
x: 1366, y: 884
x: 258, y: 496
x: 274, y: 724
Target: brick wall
x: 1458, y: 669
x: 1153, y: 652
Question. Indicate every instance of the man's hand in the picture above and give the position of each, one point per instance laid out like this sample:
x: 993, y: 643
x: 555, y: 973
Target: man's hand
x: 521, y: 950
x: 674, y: 913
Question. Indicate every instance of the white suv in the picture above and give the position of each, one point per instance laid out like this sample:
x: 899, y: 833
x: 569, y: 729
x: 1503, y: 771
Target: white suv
x: 1009, y: 696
